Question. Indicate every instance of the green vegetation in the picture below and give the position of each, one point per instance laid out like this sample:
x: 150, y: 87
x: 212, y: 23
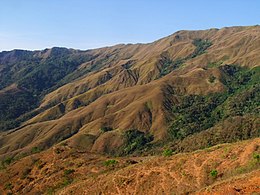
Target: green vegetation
x: 201, y: 47
x: 12, y: 108
x: 212, y: 78
x: 36, y: 77
x: 252, y: 164
x: 68, y: 171
x: 257, y: 158
x: 215, y: 64
x: 35, y: 150
x: 66, y: 181
x: 67, y: 178
x: 149, y: 105
x: 230, y: 130
x: 106, y: 128
x: 213, y: 173
x: 8, y: 186
x: 170, y: 65
x: 50, y: 191
x: 167, y: 152
x: 194, y: 115
x: 135, y: 141
x: 47, y: 74
x: 238, y: 107
x: 6, y: 161
x: 110, y: 162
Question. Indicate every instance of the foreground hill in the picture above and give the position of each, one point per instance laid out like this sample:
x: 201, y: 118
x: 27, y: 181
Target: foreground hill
x: 222, y: 169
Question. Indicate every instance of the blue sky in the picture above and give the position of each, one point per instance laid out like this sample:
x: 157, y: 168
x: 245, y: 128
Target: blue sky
x: 84, y: 24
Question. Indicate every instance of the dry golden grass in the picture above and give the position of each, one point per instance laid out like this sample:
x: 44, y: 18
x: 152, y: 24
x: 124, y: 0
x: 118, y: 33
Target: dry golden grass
x: 64, y: 170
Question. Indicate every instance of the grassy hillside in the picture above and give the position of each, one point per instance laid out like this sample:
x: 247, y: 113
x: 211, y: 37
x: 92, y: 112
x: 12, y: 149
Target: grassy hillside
x: 168, y: 91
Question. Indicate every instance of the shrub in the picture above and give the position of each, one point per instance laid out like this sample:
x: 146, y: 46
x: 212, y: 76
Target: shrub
x: 8, y: 186
x: 214, y: 173
x: 66, y: 181
x: 8, y: 161
x: 35, y: 150
x: 212, y: 78
x: 58, y: 150
x: 214, y: 64
x: 41, y: 165
x: 110, y: 162
x: 257, y: 157
x: 106, y: 128
x: 50, y: 191
x: 68, y: 171
x: 167, y: 152
x: 135, y: 140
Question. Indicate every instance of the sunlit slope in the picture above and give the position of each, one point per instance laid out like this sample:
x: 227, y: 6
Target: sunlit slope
x: 137, y: 86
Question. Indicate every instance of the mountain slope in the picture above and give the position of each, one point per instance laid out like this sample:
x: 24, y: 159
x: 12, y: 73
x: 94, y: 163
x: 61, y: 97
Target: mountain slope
x: 227, y: 168
x: 77, y: 95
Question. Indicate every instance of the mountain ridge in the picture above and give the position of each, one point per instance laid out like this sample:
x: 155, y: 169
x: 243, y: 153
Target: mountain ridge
x: 175, y: 64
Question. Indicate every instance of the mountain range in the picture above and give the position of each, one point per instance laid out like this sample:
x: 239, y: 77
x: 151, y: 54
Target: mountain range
x: 128, y: 104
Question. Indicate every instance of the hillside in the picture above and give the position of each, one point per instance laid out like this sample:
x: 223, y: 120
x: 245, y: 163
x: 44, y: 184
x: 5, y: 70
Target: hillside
x: 186, y: 92
x: 223, y: 169
x: 63, y: 93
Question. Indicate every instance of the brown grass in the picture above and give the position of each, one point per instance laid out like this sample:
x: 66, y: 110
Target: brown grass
x: 181, y: 173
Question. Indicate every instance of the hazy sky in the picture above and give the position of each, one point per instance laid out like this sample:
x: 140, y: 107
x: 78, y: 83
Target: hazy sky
x: 84, y: 24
